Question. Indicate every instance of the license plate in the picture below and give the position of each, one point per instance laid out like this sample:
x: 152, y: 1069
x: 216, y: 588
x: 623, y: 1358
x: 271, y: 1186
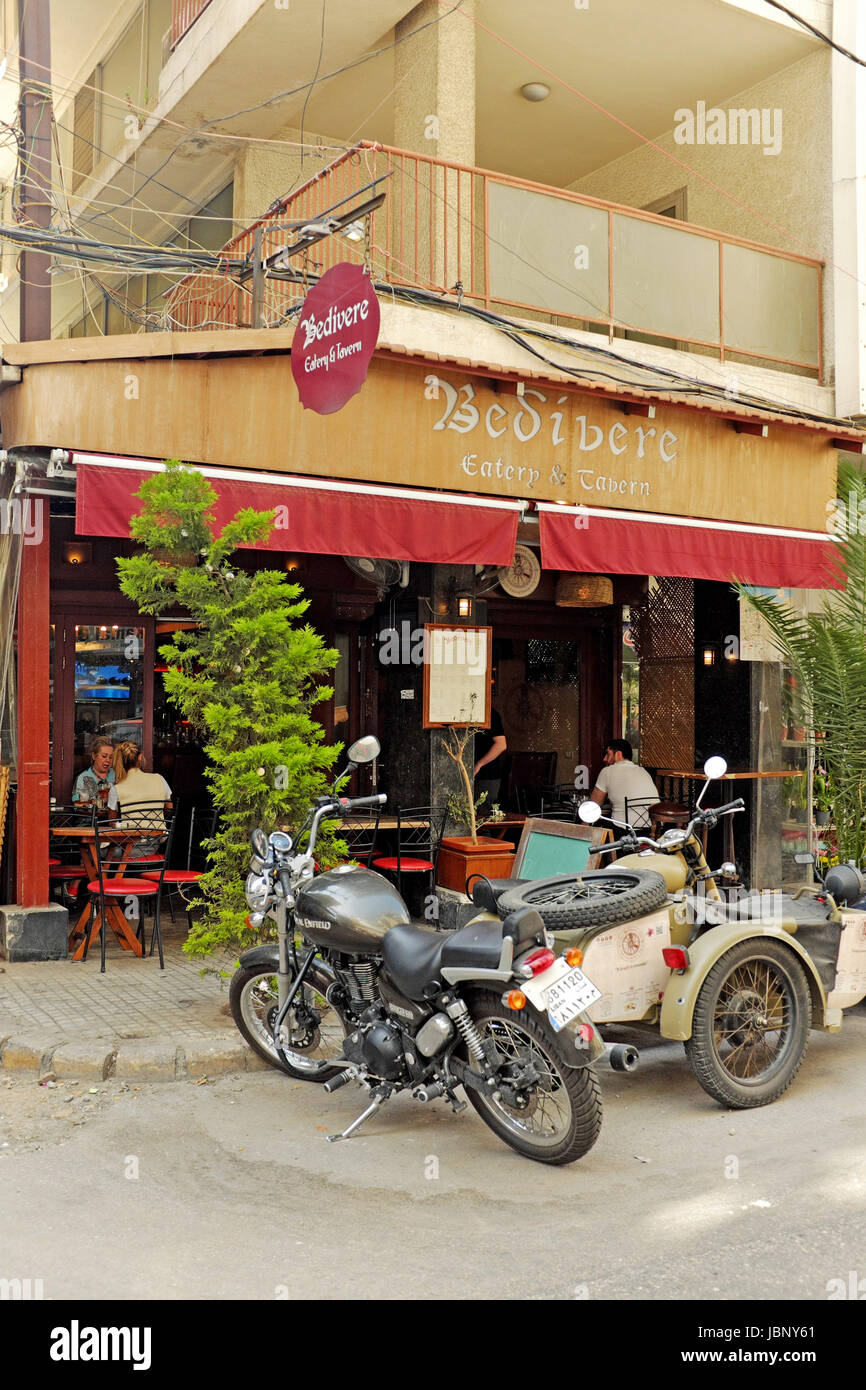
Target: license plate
x: 563, y: 991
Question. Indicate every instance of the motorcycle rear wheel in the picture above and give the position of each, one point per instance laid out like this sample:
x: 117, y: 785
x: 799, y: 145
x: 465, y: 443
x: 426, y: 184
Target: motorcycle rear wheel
x: 564, y: 1117
x: 750, y: 1027
x: 254, y: 1000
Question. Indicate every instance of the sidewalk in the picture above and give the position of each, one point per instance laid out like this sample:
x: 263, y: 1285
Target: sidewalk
x: 64, y: 1018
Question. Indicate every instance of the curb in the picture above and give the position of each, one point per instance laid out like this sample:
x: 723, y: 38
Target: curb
x: 153, y: 1059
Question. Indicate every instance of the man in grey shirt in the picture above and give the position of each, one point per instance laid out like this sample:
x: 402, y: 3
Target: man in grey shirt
x: 621, y: 780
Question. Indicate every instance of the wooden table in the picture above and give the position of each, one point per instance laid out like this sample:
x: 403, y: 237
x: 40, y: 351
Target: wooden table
x: 114, y: 913
x: 504, y: 829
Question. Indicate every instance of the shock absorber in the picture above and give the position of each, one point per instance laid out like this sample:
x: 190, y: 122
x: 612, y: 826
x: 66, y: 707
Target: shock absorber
x: 468, y: 1031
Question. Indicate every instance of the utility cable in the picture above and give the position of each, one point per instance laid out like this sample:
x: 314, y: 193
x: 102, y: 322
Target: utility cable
x: 819, y: 33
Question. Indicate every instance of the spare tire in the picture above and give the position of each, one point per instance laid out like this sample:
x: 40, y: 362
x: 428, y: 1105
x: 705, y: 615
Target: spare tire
x: 601, y: 897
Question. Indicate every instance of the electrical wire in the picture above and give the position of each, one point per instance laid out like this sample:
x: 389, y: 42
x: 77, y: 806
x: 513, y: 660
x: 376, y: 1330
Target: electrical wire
x: 652, y: 144
x: 819, y: 33
x: 312, y: 85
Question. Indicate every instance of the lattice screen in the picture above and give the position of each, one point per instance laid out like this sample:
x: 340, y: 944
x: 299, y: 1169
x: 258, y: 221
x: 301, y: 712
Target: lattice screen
x: 539, y: 700
x: 664, y: 639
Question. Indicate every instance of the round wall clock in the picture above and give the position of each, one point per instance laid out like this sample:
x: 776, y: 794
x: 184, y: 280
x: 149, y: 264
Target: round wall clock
x: 520, y: 578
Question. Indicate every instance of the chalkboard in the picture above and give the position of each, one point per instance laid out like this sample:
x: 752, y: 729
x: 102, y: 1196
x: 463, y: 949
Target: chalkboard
x: 548, y: 855
x: 548, y: 848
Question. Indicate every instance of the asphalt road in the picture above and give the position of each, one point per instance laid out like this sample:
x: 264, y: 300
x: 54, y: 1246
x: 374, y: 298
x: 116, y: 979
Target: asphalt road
x: 228, y: 1190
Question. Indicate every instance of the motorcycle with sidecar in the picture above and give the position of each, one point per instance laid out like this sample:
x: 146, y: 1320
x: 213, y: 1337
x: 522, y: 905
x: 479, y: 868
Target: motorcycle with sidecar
x: 740, y: 978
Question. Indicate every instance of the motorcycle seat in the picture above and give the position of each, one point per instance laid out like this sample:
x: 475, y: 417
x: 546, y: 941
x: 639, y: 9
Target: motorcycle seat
x: 789, y: 912
x: 415, y: 958
x: 486, y: 892
x: 412, y: 958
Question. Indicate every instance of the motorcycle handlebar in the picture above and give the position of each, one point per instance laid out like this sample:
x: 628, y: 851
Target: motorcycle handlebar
x: 348, y: 803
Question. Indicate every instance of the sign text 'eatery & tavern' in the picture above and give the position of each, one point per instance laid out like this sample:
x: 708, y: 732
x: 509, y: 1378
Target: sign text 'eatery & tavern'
x: 337, y: 332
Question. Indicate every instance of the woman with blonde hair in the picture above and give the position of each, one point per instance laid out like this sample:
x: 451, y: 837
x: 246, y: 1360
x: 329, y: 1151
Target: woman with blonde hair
x: 132, y: 787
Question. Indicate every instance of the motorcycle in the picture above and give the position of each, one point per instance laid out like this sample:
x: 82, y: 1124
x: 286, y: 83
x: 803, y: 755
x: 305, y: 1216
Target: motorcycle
x: 353, y: 992
x: 740, y: 978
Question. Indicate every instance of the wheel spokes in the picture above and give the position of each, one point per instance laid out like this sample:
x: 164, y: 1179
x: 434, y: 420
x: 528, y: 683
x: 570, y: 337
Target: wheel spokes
x: 549, y: 1116
x: 752, y: 1020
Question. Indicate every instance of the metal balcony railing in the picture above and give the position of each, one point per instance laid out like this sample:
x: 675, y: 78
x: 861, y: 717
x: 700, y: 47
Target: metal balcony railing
x: 184, y: 14
x: 538, y: 252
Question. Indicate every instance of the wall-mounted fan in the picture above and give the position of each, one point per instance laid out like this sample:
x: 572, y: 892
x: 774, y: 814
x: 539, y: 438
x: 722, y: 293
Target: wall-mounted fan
x: 383, y: 574
x: 486, y: 579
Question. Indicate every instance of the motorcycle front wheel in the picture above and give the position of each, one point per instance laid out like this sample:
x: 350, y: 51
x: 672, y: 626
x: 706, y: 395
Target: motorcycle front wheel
x: 563, y: 1118
x: 312, y: 1034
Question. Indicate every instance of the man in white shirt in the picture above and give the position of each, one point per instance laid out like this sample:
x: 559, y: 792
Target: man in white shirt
x: 621, y: 780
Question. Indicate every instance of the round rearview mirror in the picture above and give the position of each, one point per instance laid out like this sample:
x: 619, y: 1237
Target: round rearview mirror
x: 365, y: 749
x: 715, y: 767
x: 259, y: 842
x: 589, y: 812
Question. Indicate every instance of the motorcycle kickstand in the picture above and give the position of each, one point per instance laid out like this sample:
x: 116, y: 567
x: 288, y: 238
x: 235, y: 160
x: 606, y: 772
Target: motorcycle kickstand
x: 379, y: 1099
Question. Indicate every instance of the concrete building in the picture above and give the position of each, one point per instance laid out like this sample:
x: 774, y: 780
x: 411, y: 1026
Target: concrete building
x: 620, y: 270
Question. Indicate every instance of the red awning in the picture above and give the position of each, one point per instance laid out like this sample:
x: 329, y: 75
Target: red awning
x: 598, y: 540
x: 317, y: 516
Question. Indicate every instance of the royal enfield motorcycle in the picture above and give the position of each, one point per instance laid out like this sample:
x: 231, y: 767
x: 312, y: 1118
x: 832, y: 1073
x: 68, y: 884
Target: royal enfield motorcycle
x: 740, y: 978
x: 353, y: 992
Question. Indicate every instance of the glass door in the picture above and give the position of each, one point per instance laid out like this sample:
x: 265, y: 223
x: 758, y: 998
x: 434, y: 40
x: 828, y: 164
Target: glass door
x: 102, y: 686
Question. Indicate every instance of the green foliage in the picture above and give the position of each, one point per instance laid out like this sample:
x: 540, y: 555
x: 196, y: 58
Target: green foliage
x: 827, y: 652
x: 248, y: 679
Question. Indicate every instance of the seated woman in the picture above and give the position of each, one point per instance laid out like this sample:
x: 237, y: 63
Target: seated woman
x: 132, y: 785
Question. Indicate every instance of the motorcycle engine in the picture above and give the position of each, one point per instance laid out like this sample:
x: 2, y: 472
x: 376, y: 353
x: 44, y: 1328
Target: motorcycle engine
x: 377, y: 1047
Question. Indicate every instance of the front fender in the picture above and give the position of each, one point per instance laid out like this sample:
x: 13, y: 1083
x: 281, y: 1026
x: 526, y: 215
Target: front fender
x: 267, y: 956
x: 681, y: 992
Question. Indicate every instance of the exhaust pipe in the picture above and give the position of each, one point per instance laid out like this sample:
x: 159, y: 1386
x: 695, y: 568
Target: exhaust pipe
x: 621, y: 1056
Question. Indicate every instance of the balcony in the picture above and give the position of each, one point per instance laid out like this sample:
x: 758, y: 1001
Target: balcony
x: 183, y: 16
x: 531, y: 251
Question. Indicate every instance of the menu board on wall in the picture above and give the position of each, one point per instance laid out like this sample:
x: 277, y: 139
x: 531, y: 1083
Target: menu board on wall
x: 457, y: 664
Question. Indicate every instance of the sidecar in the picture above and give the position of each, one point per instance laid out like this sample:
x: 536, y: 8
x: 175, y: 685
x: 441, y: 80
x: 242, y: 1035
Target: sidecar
x: 739, y: 983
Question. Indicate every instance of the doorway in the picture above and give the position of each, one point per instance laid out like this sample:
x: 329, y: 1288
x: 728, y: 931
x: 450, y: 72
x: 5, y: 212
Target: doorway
x: 102, y: 684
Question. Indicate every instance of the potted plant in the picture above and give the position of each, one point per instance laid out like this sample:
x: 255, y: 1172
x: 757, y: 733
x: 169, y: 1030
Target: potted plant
x: 462, y: 856
x: 821, y: 802
x: 800, y: 798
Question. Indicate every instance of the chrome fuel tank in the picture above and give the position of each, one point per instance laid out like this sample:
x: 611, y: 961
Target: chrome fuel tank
x: 349, y: 909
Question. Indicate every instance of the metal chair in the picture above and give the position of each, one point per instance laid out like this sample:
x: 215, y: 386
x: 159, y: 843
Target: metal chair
x: 560, y: 803
x: 638, y: 812
x: 359, y: 832
x: 419, y: 836
x: 140, y: 816
x: 65, y: 869
x: 204, y: 819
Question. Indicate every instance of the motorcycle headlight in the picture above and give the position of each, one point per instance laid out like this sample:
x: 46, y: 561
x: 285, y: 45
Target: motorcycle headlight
x: 257, y: 891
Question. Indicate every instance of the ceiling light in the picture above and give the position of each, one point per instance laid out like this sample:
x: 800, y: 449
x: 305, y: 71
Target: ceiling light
x: 535, y: 91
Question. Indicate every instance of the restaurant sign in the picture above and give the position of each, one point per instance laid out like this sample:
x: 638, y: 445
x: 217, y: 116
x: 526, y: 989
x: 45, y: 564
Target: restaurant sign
x: 335, y: 338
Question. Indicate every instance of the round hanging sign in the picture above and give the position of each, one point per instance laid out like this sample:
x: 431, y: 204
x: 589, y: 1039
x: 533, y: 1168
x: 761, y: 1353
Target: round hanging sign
x: 335, y: 338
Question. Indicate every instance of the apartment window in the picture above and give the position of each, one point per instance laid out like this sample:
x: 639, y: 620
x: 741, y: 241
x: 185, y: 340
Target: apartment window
x: 125, y: 81
x: 673, y: 205
x: 208, y: 230
x: 84, y: 131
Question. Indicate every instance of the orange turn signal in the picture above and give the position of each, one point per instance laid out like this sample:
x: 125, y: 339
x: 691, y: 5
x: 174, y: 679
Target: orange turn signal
x: 515, y: 999
x: 574, y: 956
